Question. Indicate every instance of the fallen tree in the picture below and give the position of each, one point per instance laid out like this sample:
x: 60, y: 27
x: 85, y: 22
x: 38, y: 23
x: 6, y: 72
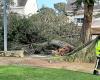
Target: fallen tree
x: 47, y: 47
x: 60, y: 43
x: 84, y: 53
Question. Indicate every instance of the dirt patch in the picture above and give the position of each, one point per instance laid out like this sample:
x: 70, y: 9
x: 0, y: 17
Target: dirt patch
x: 42, y: 62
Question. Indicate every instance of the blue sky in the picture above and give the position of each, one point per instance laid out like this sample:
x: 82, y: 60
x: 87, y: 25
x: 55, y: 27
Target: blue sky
x: 48, y: 3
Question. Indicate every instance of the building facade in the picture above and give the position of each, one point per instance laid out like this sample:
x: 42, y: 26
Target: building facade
x: 24, y: 7
x: 77, y: 17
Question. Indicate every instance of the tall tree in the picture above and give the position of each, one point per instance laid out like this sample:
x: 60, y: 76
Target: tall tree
x: 60, y: 7
x: 88, y: 13
x: 47, y: 14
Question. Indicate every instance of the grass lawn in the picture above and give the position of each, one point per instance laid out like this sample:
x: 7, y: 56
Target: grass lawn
x: 29, y: 73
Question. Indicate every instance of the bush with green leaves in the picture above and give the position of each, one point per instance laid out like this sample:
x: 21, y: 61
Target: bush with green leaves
x: 22, y: 30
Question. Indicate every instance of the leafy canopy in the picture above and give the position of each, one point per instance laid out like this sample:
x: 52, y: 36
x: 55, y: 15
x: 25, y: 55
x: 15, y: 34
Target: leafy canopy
x: 79, y: 3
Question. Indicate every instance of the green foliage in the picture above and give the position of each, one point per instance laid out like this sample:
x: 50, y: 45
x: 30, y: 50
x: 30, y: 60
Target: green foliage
x: 41, y: 27
x: 1, y: 40
x: 1, y: 25
x: 79, y: 3
x: 1, y: 18
x: 22, y: 30
x: 85, y: 54
x: 89, y: 2
x: 51, y: 25
x: 46, y: 15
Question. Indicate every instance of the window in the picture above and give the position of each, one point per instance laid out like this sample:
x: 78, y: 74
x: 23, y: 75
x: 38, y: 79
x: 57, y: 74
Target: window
x: 79, y: 20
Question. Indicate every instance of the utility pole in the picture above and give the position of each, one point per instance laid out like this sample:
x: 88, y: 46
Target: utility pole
x: 5, y: 23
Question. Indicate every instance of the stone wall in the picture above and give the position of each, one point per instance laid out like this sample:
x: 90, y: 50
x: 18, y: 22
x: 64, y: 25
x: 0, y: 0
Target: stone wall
x: 17, y: 53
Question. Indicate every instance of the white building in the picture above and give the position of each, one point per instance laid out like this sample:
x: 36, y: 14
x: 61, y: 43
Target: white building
x: 24, y: 7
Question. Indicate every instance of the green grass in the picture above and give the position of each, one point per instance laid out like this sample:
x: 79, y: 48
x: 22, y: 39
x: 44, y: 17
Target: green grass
x: 29, y: 73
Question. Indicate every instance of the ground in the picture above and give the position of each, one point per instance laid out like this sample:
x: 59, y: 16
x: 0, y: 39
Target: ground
x: 38, y: 73
x: 43, y: 62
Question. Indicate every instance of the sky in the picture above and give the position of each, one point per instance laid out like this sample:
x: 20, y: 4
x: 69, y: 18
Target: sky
x: 48, y: 3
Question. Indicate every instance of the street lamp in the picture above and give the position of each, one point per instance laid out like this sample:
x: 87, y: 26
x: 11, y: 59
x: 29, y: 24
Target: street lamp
x: 5, y: 24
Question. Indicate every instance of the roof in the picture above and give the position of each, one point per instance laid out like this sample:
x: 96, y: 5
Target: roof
x: 22, y: 2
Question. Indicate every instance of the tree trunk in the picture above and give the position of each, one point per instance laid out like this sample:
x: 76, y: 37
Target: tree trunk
x: 86, y: 28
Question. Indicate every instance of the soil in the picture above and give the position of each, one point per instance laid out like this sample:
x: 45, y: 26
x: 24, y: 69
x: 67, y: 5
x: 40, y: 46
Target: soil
x: 43, y: 62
